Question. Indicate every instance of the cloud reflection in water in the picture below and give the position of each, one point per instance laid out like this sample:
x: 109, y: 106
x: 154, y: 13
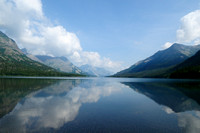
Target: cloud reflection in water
x: 55, y: 105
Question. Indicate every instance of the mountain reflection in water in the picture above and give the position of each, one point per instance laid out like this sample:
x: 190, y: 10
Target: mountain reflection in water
x: 99, y: 105
x: 53, y: 106
x: 13, y: 89
x: 181, y: 98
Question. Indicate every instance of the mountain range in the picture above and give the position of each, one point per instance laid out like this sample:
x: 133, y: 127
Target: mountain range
x: 59, y: 63
x: 95, y: 71
x: 14, y: 62
x: 177, y: 61
x: 64, y: 65
x: 161, y: 64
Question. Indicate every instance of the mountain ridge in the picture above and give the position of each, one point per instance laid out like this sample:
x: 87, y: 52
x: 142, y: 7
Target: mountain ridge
x: 60, y: 63
x: 15, y: 63
x: 162, y: 61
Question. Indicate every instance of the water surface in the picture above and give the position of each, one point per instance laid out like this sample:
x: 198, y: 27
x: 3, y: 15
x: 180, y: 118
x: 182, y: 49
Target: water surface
x: 99, y: 105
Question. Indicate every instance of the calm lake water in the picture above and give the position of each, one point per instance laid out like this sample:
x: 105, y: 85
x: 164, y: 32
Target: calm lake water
x: 83, y: 105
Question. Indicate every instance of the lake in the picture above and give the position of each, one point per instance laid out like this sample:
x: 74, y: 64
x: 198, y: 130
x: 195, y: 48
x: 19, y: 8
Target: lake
x: 98, y: 105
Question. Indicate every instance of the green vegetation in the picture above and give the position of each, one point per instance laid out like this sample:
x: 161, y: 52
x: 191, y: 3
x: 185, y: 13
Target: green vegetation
x: 187, y: 73
x: 190, y: 68
x: 26, y: 67
x: 155, y: 73
x: 14, y: 63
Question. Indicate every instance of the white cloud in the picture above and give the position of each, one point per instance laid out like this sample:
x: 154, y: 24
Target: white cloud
x: 197, y: 41
x: 54, y: 41
x: 167, y: 45
x: 26, y: 23
x: 30, y: 6
x: 189, y: 31
x: 94, y: 59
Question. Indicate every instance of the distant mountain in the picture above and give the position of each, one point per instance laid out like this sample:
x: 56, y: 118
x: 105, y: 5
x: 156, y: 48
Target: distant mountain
x: 95, y: 71
x: 24, y: 50
x: 59, y: 63
x: 190, y: 68
x: 14, y: 62
x: 160, y: 64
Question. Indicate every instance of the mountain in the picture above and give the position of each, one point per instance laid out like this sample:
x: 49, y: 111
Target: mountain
x: 24, y: 50
x: 161, y: 63
x: 95, y: 71
x: 14, y: 62
x: 190, y: 68
x: 59, y: 63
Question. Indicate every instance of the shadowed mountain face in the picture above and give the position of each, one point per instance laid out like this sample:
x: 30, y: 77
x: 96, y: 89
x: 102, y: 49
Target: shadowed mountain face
x: 190, y: 68
x: 160, y: 63
x: 14, y: 62
x: 177, y: 96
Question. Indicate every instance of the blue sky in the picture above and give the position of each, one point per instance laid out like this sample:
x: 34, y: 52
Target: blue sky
x: 123, y: 30
x: 113, y: 34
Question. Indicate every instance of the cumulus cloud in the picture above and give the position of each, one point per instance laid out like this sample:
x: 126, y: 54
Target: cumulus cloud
x: 94, y: 59
x: 167, y: 45
x: 189, y: 32
x: 26, y: 23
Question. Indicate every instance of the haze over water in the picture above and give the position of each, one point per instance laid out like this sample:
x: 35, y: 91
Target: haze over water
x: 99, y: 105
